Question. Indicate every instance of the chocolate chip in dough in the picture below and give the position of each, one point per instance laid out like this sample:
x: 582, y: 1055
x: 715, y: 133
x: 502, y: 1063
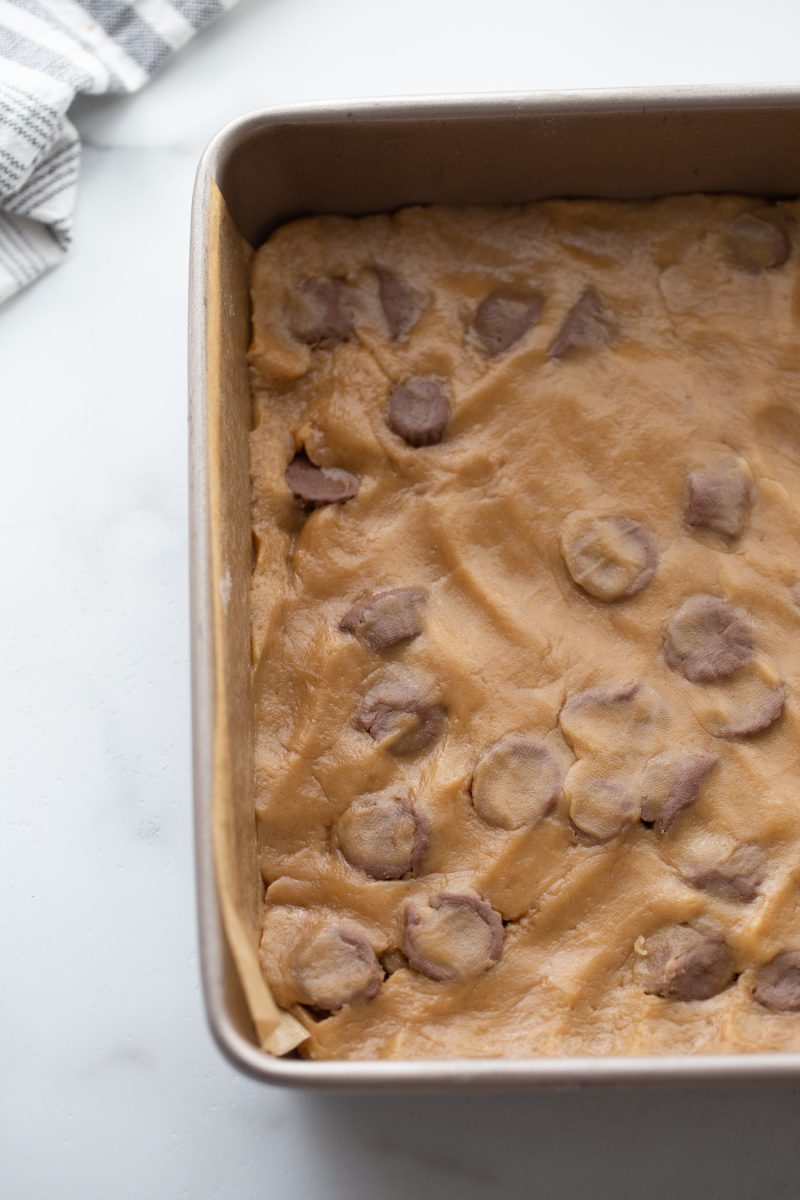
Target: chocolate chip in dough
x: 600, y: 809
x: 504, y: 317
x: 778, y: 983
x: 759, y: 720
x: 382, y: 836
x: 684, y: 964
x: 454, y: 937
x: 406, y: 720
x: 386, y: 619
x: 418, y: 411
x: 611, y: 558
x: 672, y: 781
x: 587, y: 326
x: 705, y: 640
x: 617, y: 718
x: 719, y: 500
x: 399, y: 303
x: 333, y: 967
x: 749, y: 705
x: 738, y: 879
x: 756, y: 244
x: 740, y: 704
x: 516, y: 782
x: 316, y: 486
x: 319, y: 311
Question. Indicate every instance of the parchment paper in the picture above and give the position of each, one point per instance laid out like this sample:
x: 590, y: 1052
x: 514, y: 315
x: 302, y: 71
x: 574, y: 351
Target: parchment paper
x: 233, y: 814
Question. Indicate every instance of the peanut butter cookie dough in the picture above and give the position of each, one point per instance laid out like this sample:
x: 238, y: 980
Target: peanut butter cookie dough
x: 526, y: 628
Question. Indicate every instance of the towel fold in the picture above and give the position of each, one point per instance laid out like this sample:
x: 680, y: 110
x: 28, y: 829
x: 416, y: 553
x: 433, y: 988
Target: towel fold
x: 49, y: 51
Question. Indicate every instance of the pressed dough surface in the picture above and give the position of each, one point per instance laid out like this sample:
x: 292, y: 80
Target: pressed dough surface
x: 703, y: 369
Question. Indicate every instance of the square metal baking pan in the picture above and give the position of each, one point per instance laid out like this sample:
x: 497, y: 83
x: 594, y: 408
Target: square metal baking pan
x: 377, y: 156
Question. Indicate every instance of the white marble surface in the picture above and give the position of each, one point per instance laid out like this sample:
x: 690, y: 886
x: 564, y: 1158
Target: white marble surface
x: 110, y: 1085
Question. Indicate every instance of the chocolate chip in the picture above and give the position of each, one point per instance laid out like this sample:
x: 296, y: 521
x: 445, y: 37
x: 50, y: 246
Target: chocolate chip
x: 778, y: 983
x: 606, y: 696
x: 504, y: 317
x: 333, y: 967
x: 758, y: 244
x: 758, y: 707
x: 617, y: 718
x: 384, y: 837
x: 611, y: 558
x: 385, y: 619
x: 719, y: 500
x: 737, y: 880
x: 454, y: 937
x: 316, y: 486
x: 319, y: 311
x: 672, y: 782
x: 705, y: 640
x: 399, y: 303
x: 406, y: 720
x: 741, y: 888
x: 683, y: 964
x: 587, y: 326
x: 516, y: 782
x: 418, y: 411
x: 600, y: 808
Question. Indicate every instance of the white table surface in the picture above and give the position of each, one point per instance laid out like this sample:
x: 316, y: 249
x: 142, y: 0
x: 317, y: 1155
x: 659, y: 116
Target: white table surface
x: 110, y: 1085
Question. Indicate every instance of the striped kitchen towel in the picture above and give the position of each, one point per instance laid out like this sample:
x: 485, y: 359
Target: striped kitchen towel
x: 49, y: 51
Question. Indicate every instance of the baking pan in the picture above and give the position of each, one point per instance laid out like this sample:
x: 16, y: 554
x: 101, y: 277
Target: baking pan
x: 376, y: 156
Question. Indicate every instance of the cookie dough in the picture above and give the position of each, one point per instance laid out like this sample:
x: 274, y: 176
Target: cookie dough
x: 526, y: 628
